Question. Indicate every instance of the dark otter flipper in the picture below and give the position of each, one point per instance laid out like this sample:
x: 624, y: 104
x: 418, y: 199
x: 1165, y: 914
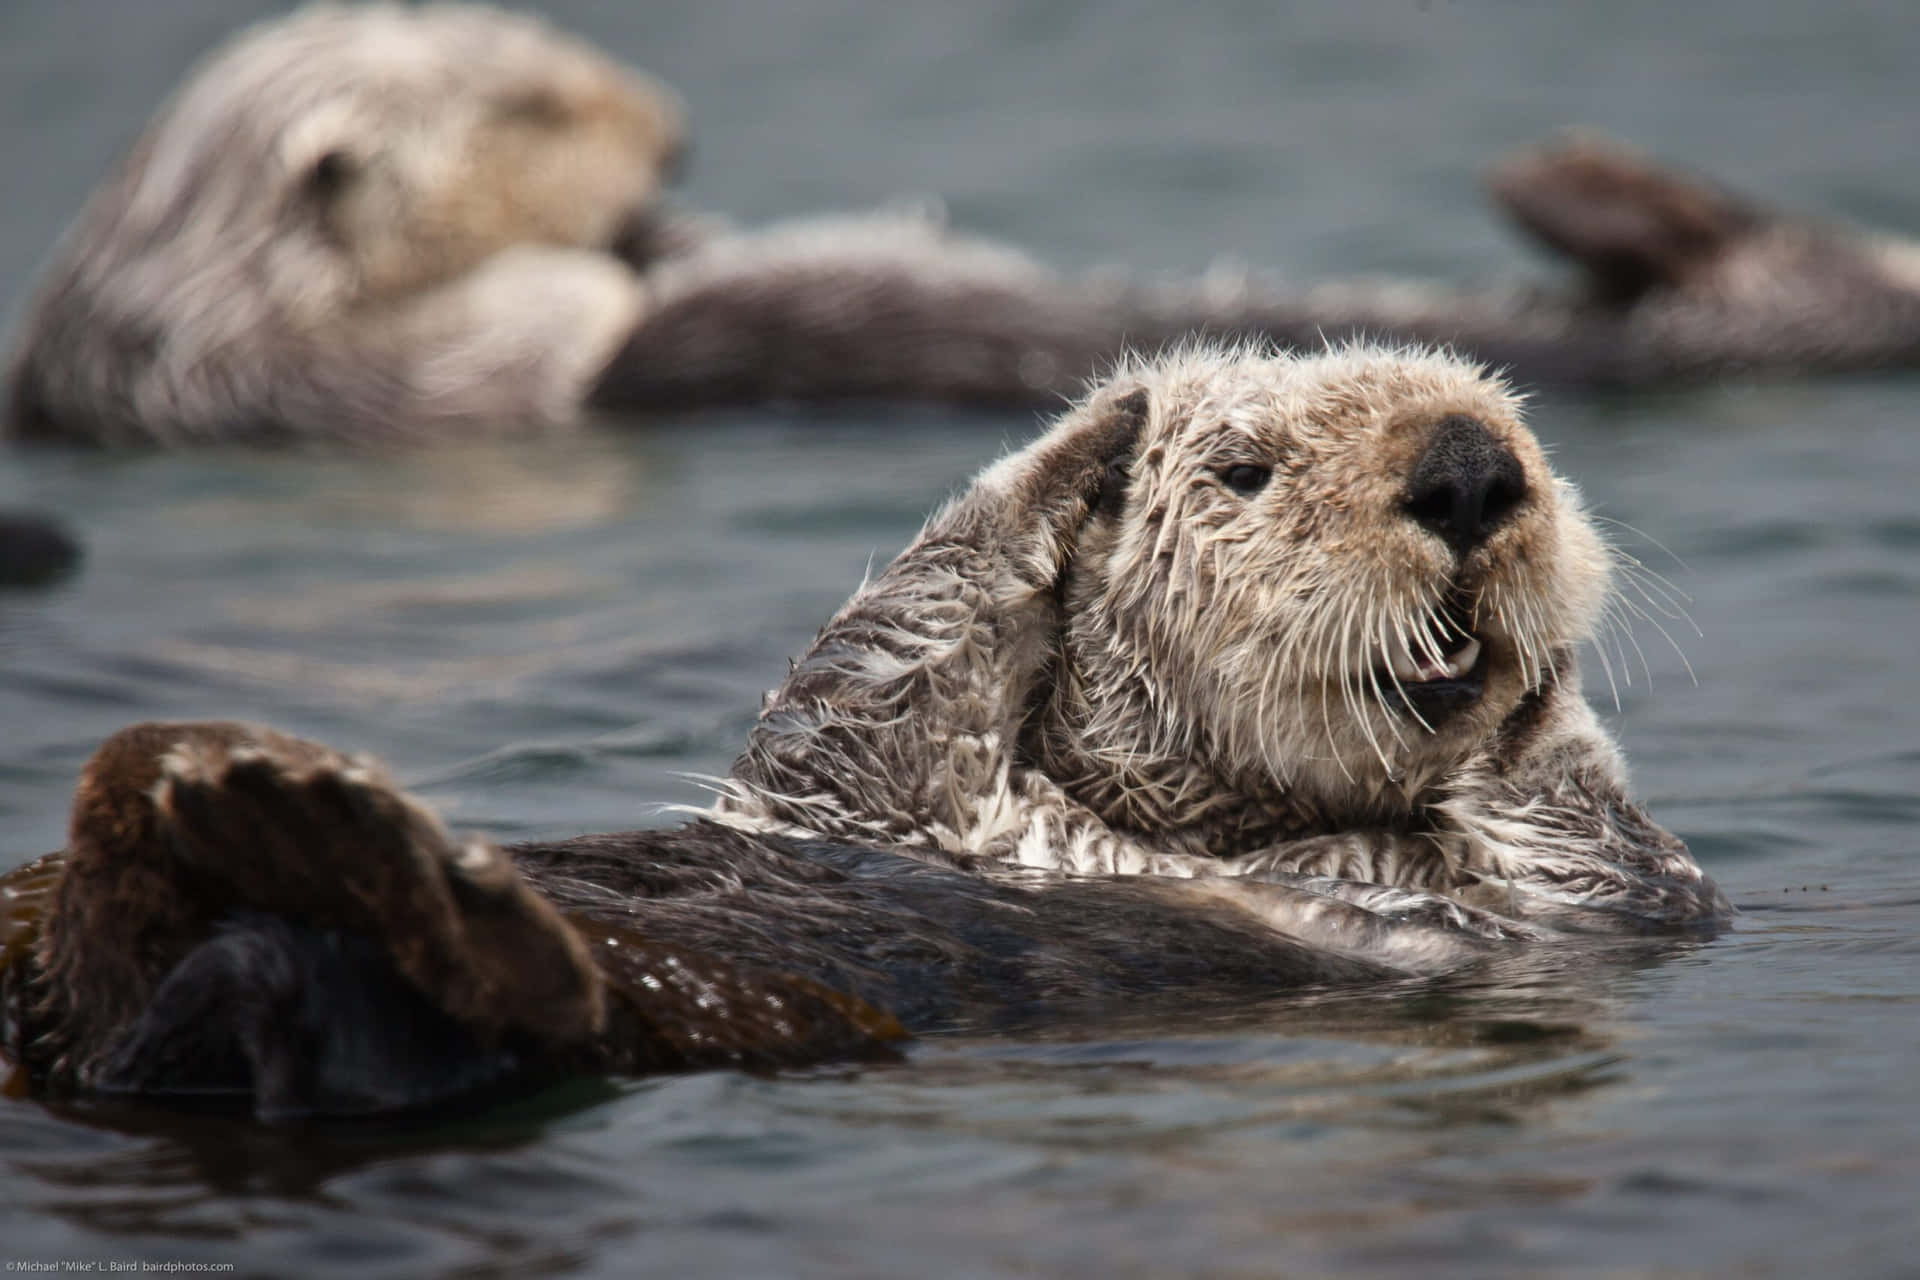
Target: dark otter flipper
x: 1630, y: 226
x: 244, y: 914
x: 288, y: 827
x: 299, y: 1022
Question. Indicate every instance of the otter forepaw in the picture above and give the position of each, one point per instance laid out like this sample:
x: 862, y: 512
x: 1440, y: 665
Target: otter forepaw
x: 1380, y: 857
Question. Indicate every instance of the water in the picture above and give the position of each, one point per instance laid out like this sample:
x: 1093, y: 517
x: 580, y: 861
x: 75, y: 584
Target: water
x: 546, y: 638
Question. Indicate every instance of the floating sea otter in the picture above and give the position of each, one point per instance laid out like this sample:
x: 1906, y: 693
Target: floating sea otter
x: 380, y: 224
x: 1255, y: 673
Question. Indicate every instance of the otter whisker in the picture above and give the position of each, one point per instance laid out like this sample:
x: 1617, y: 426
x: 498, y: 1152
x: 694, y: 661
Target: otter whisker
x: 1642, y: 534
x: 1340, y: 635
x: 1619, y: 625
x: 1612, y: 624
x: 1404, y: 623
x: 1652, y: 585
x: 1381, y: 622
x: 1525, y: 642
x: 1666, y: 604
x: 1666, y: 635
x: 1350, y: 691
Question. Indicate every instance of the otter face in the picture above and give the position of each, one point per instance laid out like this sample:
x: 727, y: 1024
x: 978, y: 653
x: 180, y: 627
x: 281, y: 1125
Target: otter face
x: 1343, y: 571
x: 403, y: 147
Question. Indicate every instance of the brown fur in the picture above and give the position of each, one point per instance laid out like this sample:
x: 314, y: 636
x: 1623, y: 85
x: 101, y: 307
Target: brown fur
x: 180, y: 830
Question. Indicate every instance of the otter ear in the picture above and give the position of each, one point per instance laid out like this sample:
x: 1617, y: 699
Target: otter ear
x: 1126, y: 419
x: 1049, y: 491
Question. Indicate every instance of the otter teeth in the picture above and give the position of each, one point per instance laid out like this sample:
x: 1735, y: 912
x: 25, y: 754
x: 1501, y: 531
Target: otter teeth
x: 1410, y: 669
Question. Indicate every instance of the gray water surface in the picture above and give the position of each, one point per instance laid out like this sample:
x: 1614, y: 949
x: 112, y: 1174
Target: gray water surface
x: 547, y: 639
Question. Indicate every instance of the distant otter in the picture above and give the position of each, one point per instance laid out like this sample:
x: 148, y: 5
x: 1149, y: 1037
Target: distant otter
x: 365, y: 223
x: 1294, y: 635
x: 1238, y: 613
x: 384, y: 224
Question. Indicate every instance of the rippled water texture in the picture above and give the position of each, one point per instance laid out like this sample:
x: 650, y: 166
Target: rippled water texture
x: 545, y: 639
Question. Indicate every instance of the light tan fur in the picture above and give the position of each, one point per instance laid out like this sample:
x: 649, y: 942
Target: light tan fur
x: 356, y: 222
x: 1102, y: 658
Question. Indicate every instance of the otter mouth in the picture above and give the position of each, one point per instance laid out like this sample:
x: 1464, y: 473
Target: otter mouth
x: 1435, y: 682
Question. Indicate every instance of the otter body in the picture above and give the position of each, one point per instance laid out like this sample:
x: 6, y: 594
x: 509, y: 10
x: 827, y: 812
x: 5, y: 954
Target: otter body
x: 1255, y: 674
x: 376, y: 225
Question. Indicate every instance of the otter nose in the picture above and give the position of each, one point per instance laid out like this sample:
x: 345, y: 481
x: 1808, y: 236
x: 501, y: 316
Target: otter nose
x: 1464, y: 485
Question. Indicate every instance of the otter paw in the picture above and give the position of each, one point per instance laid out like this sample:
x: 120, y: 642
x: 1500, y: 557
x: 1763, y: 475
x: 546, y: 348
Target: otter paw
x: 1381, y: 857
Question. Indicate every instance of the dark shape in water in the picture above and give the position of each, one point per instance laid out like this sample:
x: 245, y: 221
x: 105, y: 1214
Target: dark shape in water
x: 35, y: 551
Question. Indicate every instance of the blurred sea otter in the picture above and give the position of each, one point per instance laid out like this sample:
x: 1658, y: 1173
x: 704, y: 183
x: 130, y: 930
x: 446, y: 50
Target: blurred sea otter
x: 381, y: 224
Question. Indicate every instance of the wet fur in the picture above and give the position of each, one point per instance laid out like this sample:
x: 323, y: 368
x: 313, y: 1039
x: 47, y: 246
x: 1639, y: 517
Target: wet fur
x: 1101, y: 659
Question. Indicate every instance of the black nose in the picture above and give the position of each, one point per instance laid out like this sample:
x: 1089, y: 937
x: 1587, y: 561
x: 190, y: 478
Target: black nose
x: 1465, y: 484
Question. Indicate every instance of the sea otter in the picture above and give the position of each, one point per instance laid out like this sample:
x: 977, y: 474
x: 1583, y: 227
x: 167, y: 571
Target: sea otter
x: 1237, y: 612
x: 356, y: 224
x: 1255, y: 673
x: 381, y: 224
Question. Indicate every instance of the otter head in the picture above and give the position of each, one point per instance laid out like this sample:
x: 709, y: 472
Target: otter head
x: 1325, y: 577
x: 405, y: 146
x: 317, y: 199
x: 349, y: 155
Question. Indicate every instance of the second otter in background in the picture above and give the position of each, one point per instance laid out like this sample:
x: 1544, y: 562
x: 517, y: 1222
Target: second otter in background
x: 377, y: 225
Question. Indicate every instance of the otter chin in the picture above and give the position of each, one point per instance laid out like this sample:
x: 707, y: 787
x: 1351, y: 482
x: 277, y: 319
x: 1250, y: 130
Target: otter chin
x: 1238, y: 613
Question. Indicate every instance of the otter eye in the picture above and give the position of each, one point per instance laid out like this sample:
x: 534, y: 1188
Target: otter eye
x: 540, y: 109
x: 1246, y: 478
x: 330, y: 173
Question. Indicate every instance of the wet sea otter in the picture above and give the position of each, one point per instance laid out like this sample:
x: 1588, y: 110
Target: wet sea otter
x: 1293, y: 636
x: 1317, y: 615
x: 382, y: 224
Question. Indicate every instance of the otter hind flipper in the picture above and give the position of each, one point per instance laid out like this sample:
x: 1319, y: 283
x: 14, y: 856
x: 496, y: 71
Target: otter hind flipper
x: 301, y: 1022
x: 1631, y: 226
x: 299, y: 830
x: 244, y: 912
x: 244, y: 916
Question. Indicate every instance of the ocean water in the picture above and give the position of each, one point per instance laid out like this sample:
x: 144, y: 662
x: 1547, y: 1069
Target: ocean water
x: 547, y: 639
